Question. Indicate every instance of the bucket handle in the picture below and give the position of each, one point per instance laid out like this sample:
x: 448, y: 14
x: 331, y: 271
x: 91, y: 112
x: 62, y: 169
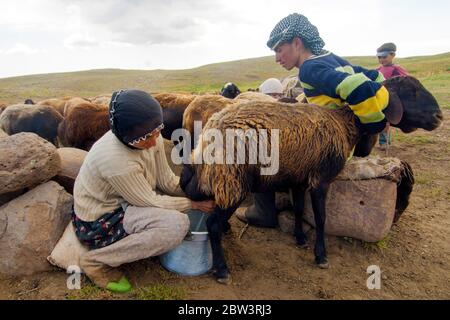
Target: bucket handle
x: 189, y: 236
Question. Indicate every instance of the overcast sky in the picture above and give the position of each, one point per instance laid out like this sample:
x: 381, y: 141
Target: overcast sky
x: 44, y: 36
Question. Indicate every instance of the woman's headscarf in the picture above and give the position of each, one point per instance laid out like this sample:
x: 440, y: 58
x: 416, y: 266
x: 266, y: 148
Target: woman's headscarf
x: 130, y: 109
x: 296, y: 25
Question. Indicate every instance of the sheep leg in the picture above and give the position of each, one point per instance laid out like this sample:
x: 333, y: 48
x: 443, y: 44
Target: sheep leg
x: 217, y: 223
x: 298, y: 197
x: 318, y: 198
x: 215, y: 229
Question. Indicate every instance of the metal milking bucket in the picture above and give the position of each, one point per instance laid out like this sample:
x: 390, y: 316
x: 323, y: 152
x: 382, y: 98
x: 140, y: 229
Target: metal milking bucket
x: 193, y: 256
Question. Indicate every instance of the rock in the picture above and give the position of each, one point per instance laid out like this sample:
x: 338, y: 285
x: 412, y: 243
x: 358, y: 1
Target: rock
x: 3, y: 134
x: 361, y: 201
x: 7, y: 197
x: 361, y: 209
x: 26, y: 160
x: 286, y: 221
x: 30, y: 226
x: 71, y: 161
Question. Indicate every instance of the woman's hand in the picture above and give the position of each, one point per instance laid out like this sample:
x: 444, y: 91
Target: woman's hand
x: 205, y: 206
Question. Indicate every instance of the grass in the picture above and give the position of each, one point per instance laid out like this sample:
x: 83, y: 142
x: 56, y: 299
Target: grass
x: 411, y: 138
x: 424, y: 178
x: 433, y: 71
x: 160, y: 292
x: 157, y: 292
x: 434, y: 193
x: 382, y: 244
x: 88, y: 292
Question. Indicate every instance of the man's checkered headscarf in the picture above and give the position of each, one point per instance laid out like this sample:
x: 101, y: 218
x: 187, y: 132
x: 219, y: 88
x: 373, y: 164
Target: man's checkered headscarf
x: 296, y: 25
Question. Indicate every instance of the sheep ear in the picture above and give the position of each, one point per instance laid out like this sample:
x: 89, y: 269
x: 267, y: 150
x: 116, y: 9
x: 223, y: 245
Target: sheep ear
x: 394, y: 110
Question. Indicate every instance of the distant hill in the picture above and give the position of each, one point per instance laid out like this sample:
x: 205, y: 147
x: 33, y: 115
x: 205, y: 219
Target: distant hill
x: 433, y: 71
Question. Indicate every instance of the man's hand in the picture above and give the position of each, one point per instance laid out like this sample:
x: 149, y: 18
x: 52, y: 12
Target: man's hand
x: 205, y: 206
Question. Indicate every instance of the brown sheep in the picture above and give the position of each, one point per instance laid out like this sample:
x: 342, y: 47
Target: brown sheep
x: 253, y: 96
x: 2, y: 107
x: 40, y: 119
x: 314, y: 144
x: 73, y: 102
x: 173, y: 106
x: 57, y: 104
x: 84, y: 125
x: 202, y: 108
x: 86, y: 122
x: 103, y: 99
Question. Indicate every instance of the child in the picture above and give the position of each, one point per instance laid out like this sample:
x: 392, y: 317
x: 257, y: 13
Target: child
x: 386, y: 55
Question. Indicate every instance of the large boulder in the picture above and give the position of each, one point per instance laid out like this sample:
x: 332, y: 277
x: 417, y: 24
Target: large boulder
x: 361, y: 209
x: 361, y: 202
x: 71, y: 161
x: 30, y: 227
x: 26, y: 160
x: 7, y: 197
x: 3, y: 134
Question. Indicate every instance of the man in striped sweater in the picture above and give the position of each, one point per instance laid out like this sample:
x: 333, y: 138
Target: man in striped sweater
x: 328, y: 81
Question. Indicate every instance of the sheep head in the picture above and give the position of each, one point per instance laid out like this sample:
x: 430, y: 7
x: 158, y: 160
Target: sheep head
x: 230, y: 90
x: 420, y: 108
x: 225, y: 183
x: 219, y: 182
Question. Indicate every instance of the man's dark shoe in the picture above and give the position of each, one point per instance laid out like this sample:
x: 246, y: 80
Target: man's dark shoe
x: 250, y: 216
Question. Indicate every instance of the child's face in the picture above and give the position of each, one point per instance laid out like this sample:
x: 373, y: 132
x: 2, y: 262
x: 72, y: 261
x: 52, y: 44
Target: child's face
x: 386, y: 60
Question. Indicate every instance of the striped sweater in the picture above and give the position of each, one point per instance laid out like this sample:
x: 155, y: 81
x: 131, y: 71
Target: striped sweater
x: 329, y: 80
x: 113, y: 174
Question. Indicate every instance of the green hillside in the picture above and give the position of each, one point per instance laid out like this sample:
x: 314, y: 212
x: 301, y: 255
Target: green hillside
x: 433, y: 71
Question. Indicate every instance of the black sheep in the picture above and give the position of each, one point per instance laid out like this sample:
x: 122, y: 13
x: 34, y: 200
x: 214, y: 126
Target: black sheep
x: 314, y: 145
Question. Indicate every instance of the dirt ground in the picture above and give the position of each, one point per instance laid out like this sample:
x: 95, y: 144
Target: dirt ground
x: 266, y: 264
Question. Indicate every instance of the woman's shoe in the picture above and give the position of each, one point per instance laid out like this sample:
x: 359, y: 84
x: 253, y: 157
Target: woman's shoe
x: 121, y: 286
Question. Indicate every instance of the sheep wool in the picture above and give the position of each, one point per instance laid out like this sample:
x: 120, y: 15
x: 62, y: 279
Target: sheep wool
x: 310, y: 138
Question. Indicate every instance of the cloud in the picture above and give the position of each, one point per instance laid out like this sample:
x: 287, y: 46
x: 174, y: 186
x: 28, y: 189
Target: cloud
x: 21, y: 48
x: 116, y: 44
x: 80, y: 41
x: 137, y: 22
x: 84, y: 41
x: 142, y: 22
x: 148, y: 32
